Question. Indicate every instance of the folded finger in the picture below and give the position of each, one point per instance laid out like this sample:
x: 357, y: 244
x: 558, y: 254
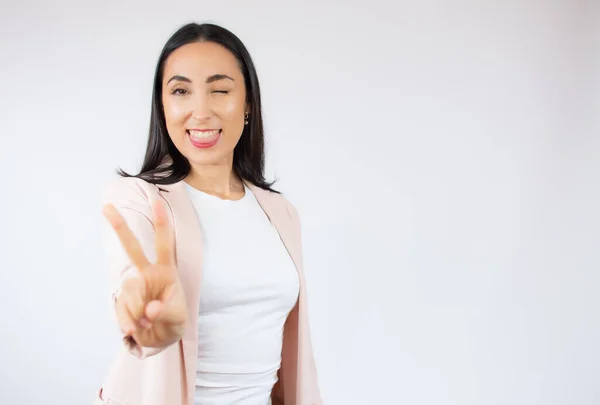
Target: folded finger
x: 134, y: 295
x: 126, y: 322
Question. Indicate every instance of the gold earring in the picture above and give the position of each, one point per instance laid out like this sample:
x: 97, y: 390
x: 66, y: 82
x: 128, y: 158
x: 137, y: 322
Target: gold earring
x: 246, y: 115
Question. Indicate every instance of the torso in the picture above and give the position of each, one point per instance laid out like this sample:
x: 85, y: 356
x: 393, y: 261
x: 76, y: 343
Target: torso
x: 249, y: 285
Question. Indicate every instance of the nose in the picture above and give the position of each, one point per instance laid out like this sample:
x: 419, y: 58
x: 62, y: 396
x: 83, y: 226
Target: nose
x: 201, y: 117
x: 201, y: 108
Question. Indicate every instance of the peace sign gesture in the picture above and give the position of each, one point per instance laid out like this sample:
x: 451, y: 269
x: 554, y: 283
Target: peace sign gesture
x: 151, y: 307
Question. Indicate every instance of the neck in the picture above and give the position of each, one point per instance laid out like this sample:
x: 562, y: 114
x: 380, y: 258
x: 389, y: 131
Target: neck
x: 220, y: 180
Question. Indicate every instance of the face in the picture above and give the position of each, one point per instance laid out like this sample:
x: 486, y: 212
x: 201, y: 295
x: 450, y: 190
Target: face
x: 204, y: 101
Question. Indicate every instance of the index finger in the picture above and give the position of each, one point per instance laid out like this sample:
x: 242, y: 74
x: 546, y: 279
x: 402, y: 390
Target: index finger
x: 130, y: 243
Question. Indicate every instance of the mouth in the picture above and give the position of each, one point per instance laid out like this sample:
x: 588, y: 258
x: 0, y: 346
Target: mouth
x: 204, y: 138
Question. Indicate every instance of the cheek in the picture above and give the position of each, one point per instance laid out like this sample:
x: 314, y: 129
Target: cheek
x: 233, y: 108
x: 174, y: 114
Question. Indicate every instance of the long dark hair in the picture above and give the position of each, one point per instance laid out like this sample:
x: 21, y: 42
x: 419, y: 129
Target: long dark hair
x: 163, y: 163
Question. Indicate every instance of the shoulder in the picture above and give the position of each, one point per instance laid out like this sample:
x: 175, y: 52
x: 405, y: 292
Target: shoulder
x: 130, y: 192
x: 128, y: 187
x: 280, y: 202
x: 281, y: 206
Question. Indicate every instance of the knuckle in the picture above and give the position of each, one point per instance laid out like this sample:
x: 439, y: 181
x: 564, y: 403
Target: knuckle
x: 127, y: 283
x: 131, y: 284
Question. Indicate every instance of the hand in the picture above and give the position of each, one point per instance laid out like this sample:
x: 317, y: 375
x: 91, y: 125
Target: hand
x: 151, y: 307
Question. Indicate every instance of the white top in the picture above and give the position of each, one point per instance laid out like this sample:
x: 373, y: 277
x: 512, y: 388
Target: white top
x: 249, y: 286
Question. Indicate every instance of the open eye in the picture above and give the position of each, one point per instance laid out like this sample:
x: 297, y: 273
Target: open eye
x: 179, y: 92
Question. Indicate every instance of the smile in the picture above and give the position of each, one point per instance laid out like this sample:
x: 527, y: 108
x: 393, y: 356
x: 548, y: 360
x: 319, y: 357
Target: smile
x: 204, y: 138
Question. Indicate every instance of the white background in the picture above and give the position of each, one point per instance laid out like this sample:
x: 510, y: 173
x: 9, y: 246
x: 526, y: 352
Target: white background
x: 443, y: 155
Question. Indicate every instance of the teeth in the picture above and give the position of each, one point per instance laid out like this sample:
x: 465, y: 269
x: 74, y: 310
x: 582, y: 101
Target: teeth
x: 203, y: 134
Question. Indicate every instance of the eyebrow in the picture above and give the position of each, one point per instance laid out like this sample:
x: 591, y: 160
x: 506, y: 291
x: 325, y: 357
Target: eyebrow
x: 210, y: 79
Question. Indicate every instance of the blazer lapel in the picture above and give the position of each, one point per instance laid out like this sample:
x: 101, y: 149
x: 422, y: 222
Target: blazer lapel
x: 278, y: 214
x: 280, y: 218
x: 188, y: 253
x: 188, y: 235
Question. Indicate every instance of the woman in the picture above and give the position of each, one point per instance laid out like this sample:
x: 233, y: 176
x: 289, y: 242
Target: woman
x: 205, y: 257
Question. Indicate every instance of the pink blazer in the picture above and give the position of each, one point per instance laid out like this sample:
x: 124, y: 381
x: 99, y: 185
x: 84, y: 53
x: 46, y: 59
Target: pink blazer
x: 146, y: 376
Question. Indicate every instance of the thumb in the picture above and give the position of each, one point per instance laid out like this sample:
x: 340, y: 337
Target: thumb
x: 171, y: 310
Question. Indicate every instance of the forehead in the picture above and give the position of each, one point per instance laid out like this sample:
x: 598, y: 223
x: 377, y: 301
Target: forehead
x: 200, y: 60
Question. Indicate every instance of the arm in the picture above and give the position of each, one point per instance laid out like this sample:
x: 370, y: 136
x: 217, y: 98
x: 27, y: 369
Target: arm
x: 313, y: 386
x: 277, y: 392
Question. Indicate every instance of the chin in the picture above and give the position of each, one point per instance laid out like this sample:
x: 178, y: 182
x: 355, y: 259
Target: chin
x: 207, y: 157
